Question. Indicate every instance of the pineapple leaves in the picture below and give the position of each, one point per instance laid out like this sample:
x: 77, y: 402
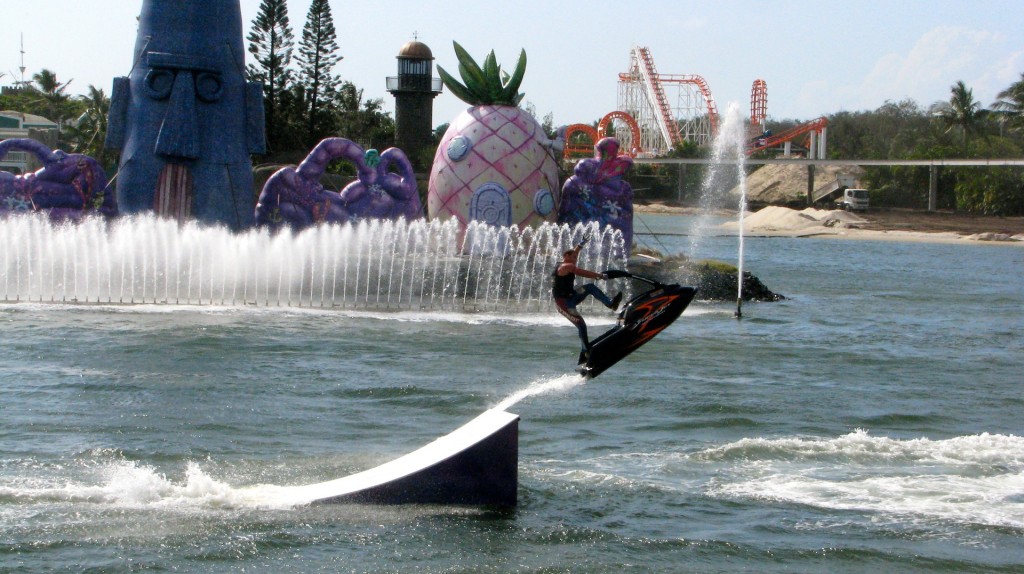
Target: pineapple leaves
x: 469, y: 70
x: 511, y: 89
x: 456, y: 88
x: 487, y: 84
x: 492, y: 72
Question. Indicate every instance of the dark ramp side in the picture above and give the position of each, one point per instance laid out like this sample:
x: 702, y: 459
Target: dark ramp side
x: 475, y: 465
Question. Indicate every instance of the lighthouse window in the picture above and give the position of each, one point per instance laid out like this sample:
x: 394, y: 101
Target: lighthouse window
x: 414, y: 67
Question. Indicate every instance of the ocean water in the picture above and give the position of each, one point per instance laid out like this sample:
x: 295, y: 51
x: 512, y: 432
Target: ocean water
x: 870, y: 422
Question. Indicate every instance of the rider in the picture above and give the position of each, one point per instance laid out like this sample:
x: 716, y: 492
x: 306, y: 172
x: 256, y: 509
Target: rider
x: 567, y: 295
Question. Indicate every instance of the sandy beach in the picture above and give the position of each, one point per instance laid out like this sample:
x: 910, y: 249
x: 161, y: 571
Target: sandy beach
x: 875, y: 224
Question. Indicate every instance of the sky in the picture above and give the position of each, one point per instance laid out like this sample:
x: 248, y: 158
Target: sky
x: 817, y: 58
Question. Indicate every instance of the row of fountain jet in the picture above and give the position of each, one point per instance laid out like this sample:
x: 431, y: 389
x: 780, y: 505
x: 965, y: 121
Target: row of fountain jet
x: 375, y: 264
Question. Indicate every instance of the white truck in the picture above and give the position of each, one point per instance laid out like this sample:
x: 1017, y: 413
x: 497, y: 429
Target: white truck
x: 853, y: 199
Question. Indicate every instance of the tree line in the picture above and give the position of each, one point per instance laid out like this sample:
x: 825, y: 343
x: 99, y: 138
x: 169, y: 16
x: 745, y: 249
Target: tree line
x: 960, y: 127
x: 305, y: 101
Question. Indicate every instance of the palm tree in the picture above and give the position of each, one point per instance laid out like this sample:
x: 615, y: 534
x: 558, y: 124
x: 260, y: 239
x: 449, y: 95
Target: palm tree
x: 1010, y: 104
x: 52, y: 94
x: 47, y: 81
x: 962, y: 112
x: 89, y: 131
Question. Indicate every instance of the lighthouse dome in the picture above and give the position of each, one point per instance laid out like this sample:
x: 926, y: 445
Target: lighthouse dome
x: 414, y: 49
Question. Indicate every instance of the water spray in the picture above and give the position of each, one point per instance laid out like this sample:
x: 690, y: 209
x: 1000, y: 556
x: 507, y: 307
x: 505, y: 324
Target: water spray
x: 373, y: 265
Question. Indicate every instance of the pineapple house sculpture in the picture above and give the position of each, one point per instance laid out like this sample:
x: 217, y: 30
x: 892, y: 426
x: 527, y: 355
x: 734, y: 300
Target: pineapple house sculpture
x: 495, y: 163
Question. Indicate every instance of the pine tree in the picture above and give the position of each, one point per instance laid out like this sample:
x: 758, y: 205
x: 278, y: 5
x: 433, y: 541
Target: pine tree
x: 270, y: 43
x: 317, y: 57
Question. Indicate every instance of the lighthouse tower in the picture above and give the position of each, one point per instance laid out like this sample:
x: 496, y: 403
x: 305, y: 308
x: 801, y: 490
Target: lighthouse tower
x: 414, y: 89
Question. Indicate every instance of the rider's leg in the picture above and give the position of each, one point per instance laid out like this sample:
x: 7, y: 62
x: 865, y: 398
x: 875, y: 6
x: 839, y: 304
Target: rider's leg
x: 569, y: 312
x: 592, y: 289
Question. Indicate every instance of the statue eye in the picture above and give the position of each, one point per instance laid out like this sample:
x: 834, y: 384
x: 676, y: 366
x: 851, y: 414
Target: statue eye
x: 208, y: 87
x: 159, y: 83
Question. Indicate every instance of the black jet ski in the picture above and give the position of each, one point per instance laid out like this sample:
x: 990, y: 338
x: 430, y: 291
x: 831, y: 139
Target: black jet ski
x: 643, y: 317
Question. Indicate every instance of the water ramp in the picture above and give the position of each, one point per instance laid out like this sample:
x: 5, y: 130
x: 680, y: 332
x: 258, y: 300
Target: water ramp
x: 475, y: 465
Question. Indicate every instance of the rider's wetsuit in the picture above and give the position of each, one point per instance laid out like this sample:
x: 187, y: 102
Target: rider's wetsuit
x: 567, y: 296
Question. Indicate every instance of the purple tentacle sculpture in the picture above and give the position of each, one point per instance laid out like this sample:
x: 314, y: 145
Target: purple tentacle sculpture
x: 67, y: 187
x: 381, y: 194
x: 294, y: 197
x: 597, y: 192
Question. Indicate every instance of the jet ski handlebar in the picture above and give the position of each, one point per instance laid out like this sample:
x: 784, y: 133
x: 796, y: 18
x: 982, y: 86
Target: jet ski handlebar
x: 620, y: 274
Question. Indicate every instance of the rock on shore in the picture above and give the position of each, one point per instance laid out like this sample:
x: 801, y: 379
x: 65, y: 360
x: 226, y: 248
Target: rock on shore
x: 714, y: 280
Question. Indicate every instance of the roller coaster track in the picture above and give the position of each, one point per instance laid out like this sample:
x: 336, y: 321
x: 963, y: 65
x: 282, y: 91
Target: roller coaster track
x: 631, y: 147
x: 705, y: 92
x: 574, y: 147
x: 652, y: 80
x: 642, y: 93
x: 792, y: 133
x: 580, y: 139
x: 758, y: 103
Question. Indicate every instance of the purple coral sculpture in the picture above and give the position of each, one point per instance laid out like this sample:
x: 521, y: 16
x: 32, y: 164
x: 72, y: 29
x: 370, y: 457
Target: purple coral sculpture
x: 597, y: 191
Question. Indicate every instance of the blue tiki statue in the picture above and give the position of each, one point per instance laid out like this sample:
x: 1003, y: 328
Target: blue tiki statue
x: 185, y: 119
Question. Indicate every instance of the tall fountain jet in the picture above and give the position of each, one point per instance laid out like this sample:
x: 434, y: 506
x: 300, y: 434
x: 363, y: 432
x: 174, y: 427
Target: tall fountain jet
x: 185, y: 119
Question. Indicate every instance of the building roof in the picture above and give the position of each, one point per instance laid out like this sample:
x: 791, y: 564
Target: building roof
x: 30, y: 120
x: 415, y: 50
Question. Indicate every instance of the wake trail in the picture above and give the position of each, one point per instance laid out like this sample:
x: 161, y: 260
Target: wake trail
x: 542, y: 387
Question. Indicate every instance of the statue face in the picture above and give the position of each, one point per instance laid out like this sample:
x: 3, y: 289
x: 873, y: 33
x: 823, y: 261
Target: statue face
x: 185, y: 118
x: 188, y: 88
x: 180, y: 83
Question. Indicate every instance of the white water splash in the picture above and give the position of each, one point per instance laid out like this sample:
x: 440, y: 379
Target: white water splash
x: 127, y: 484
x: 969, y: 479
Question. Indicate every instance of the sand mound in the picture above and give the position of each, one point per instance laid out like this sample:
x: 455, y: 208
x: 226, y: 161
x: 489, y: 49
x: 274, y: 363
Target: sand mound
x: 785, y: 184
x: 775, y: 218
x: 991, y: 236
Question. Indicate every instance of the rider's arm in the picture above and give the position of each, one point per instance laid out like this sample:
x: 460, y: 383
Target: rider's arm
x: 589, y: 274
x: 567, y: 268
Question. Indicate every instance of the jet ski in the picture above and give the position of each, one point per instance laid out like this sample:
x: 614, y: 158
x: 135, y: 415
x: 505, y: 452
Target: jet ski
x: 643, y: 317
